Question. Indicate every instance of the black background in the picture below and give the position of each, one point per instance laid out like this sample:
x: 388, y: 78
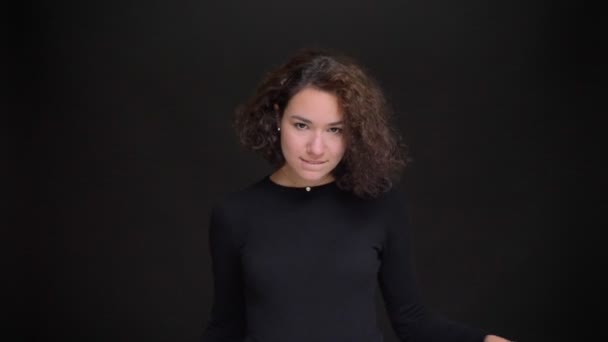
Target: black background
x: 130, y: 143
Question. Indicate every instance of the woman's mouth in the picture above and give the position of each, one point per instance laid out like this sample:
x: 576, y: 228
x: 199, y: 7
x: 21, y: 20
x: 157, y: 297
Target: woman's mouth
x: 313, y: 162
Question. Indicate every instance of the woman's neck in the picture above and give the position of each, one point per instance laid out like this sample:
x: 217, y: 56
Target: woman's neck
x: 282, y: 176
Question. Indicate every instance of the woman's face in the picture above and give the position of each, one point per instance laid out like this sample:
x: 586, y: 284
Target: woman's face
x: 311, y: 137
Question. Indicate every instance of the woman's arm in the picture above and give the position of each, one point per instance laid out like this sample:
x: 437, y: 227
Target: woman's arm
x: 227, y: 320
x: 411, y: 320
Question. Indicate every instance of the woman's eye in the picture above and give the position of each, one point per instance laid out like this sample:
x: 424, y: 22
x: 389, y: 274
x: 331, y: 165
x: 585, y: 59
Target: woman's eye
x: 300, y: 125
x: 335, y: 130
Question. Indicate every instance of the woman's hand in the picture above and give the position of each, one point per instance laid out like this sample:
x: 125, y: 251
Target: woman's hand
x: 494, y: 338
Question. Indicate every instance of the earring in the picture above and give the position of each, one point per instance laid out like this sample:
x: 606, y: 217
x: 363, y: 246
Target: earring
x: 279, y: 129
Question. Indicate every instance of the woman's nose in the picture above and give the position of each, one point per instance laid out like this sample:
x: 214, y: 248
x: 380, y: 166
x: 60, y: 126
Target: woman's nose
x: 316, y: 145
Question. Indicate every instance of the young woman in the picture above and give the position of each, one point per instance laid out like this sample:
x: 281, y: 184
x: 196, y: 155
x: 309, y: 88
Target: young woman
x: 300, y: 254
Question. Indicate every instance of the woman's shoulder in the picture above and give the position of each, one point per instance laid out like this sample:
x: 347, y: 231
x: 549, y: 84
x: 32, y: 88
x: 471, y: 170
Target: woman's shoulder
x: 396, y: 195
x: 240, y: 198
x: 386, y: 204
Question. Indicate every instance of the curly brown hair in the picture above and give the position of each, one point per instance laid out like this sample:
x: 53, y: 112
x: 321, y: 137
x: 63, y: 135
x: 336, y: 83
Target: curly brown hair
x: 374, y: 154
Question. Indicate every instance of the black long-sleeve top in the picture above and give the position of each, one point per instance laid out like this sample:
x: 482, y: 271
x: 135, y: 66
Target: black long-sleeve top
x: 293, y: 265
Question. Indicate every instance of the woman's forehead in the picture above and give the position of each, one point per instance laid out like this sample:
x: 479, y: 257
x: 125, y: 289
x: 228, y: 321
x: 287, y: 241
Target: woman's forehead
x: 314, y: 106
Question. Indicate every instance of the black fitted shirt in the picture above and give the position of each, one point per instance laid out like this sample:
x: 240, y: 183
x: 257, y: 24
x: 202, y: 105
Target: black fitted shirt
x: 292, y: 265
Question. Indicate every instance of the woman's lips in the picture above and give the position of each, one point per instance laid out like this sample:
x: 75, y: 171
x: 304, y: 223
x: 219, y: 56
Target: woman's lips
x: 312, y: 162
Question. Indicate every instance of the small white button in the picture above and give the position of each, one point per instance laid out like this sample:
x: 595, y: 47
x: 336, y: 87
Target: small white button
x: 307, y: 188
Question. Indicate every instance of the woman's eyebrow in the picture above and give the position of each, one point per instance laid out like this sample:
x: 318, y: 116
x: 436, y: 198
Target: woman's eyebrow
x: 300, y: 118
x: 310, y: 122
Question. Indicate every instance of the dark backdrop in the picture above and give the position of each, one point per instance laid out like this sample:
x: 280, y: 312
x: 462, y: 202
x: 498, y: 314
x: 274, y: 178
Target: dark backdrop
x: 132, y: 143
